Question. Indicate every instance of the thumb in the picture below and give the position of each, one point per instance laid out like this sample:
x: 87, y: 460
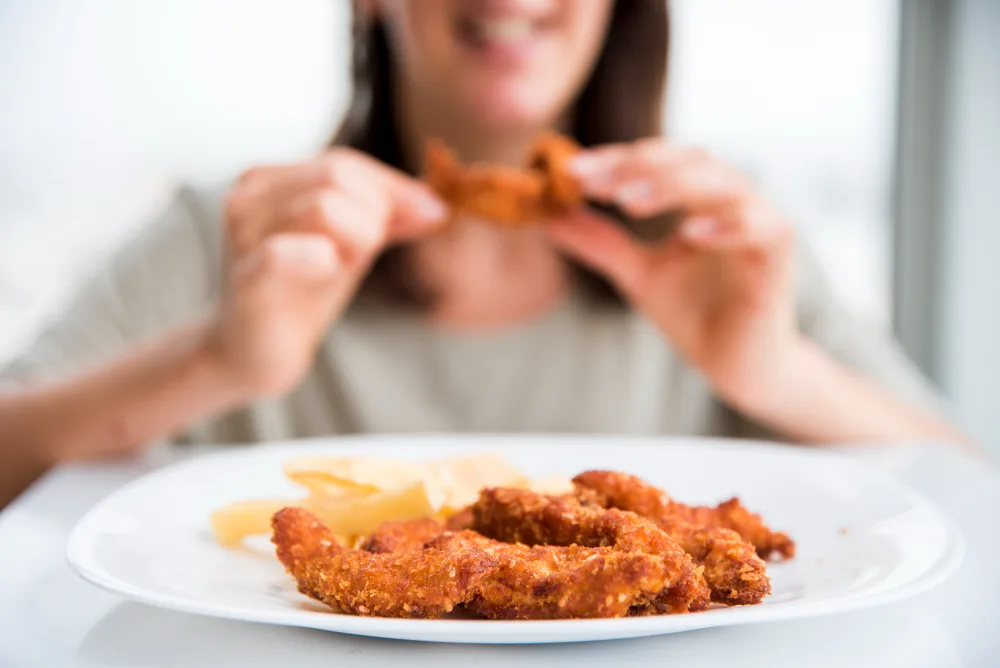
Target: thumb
x: 602, y: 245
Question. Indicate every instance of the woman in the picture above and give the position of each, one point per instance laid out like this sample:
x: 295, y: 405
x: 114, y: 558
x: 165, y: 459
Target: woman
x: 327, y: 297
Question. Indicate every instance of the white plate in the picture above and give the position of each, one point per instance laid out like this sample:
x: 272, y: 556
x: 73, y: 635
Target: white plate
x: 863, y: 538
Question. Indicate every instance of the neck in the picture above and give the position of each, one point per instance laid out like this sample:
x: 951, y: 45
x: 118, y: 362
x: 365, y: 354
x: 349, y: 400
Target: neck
x: 484, y: 276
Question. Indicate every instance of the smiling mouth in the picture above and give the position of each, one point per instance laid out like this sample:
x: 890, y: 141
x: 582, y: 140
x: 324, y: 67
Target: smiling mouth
x: 499, y: 32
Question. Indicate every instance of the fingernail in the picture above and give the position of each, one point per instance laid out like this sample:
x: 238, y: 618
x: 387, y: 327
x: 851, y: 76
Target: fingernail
x: 585, y: 165
x: 634, y: 191
x: 700, y: 227
x: 430, y: 207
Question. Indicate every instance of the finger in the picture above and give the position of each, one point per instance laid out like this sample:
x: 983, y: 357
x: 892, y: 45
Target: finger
x: 697, y: 189
x: 275, y: 182
x: 357, y: 226
x: 305, y: 259
x: 602, y: 245
x: 737, y: 228
x: 261, y: 195
x: 409, y: 206
x: 601, y: 170
x: 414, y: 209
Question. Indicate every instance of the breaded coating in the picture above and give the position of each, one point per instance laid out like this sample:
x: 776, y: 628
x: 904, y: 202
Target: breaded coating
x: 734, y: 571
x: 631, y: 493
x: 402, y: 536
x: 522, y: 516
x: 461, y: 520
x: 551, y: 155
x: 615, y: 546
x: 507, y: 196
x: 492, y: 579
x: 416, y: 584
x: 548, y: 582
x: 734, y: 515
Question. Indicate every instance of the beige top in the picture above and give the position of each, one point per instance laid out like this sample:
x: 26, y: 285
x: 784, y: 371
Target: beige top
x: 575, y: 369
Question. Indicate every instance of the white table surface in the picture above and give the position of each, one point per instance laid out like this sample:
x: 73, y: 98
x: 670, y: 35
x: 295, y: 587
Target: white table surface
x: 50, y: 617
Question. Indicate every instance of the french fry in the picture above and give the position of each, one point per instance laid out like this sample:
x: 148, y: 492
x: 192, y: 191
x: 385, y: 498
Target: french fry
x: 236, y: 521
x: 338, y: 476
x: 359, y: 516
x: 354, y: 495
x: 462, y: 478
x: 551, y: 485
x: 323, y: 485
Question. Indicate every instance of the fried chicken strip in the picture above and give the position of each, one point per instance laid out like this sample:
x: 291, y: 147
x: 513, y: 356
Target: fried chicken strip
x: 543, y: 582
x: 632, y: 493
x: 547, y: 582
x: 461, y: 520
x: 522, y: 516
x: 734, y: 571
x: 551, y: 155
x: 734, y: 515
x: 493, y: 579
x: 416, y: 584
x: 507, y: 196
x: 404, y: 536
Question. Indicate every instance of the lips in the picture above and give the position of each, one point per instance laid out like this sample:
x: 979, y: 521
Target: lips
x: 500, y: 35
x: 503, y: 31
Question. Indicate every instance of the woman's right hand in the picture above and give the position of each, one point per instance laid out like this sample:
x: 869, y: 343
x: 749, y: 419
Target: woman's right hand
x: 299, y: 240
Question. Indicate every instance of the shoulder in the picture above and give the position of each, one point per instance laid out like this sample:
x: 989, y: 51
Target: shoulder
x: 170, y: 270
x: 182, y: 238
x: 189, y: 221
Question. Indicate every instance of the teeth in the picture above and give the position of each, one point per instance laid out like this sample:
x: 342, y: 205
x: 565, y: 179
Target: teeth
x: 505, y: 30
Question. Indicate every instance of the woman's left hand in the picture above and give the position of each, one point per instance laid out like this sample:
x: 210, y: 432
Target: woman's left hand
x: 720, y: 288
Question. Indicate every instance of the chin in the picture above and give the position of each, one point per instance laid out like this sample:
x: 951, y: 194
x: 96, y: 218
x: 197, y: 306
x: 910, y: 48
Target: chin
x: 514, y: 110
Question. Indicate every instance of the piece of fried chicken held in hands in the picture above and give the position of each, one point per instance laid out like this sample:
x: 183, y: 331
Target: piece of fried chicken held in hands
x: 507, y: 196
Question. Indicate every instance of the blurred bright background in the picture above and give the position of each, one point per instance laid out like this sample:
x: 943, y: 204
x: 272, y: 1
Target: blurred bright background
x: 105, y: 105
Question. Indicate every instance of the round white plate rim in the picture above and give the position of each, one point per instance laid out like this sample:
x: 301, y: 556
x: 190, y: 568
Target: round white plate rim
x: 508, y: 632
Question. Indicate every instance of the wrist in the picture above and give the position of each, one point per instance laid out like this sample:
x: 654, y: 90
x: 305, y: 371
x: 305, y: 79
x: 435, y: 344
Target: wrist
x: 211, y: 368
x: 785, y: 382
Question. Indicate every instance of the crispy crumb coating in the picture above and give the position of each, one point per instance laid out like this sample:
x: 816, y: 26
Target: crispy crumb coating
x: 461, y: 520
x: 615, y: 547
x: 551, y: 155
x: 632, y: 493
x: 402, y: 536
x: 416, y: 584
x: 548, y: 582
x: 734, y: 571
x: 507, y: 196
x: 522, y: 516
x: 492, y: 579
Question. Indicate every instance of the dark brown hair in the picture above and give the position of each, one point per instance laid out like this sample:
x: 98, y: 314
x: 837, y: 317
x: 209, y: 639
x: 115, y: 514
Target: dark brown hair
x: 621, y: 102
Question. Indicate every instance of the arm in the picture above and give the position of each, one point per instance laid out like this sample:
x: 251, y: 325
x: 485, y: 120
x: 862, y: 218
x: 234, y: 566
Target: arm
x: 818, y: 399
x: 723, y: 290
x: 298, y: 241
x: 844, y: 381
x: 113, y: 409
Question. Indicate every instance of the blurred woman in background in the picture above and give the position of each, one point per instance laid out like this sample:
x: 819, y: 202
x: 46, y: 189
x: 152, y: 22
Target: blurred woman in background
x: 327, y: 297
